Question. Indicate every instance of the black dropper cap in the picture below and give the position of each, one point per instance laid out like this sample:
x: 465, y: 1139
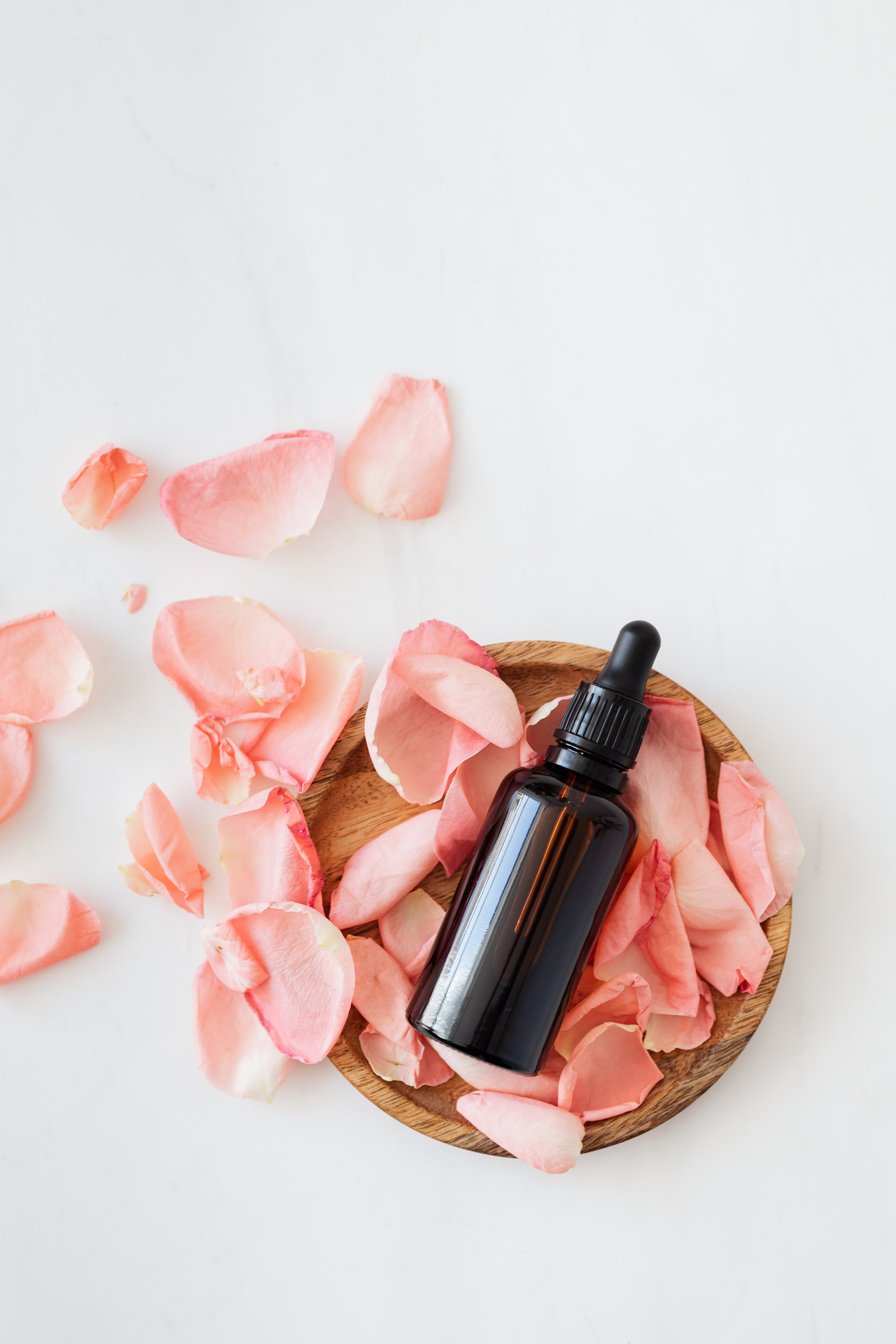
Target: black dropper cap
x: 607, y: 717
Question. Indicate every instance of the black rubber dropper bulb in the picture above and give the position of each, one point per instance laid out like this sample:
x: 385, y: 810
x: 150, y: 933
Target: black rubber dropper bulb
x: 631, y: 660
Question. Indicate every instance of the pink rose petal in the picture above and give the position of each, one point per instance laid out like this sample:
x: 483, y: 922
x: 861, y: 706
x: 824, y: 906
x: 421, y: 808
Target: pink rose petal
x: 254, y: 499
x: 134, y: 596
x: 715, y: 841
x: 666, y: 790
x: 540, y: 729
x: 730, y: 949
x: 541, y: 1086
x: 467, y: 801
x: 236, y: 1054
x: 608, y: 1073
x: 16, y: 767
x: 297, y: 971
x: 382, y: 990
x: 230, y: 657
x: 397, y: 462
x: 624, y: 999
x: 222, y: 772
x: 409, y: 930
x: 44, y: 671
x: 103, y: 485
x: 546, y: 1137
x: 667, y: 1031
x: 293, y: 747
x: 39, y: 925
x: 164, y: 861
x: 384, y: 870
x: 760, y: 837
x: 409, y: 1060
x: 268, y: 854
x: 414, y: 742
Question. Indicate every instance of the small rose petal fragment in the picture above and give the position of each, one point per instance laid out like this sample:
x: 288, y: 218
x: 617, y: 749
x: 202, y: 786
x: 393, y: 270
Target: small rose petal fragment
x: 293, y: 747
x: 299, y: 973
x: 467, y: 801
x: 41, y: 924
x: 546, y: 1137
x: 230, y: 657
x: 249, y: 501
x: 16, y: 767
x: 397, y: 462
x: 222, y: 772
x: 540, y: 729
x: 730, y: 949
x: 268, y: 854
x: 667, y: 1031
x: 667, y: 790
x: 409, y: 930
x: 760, y: 837
x: 164, y: 861
x: 100, y: 489
x: 410, y: 1060
x: 624, y: 999
x: 384, y: 870
x: 44, y: 670
x: 541, y: 1086
x: 437, y: 702
x: 134, y: 596
x: 236, y: 1054
x: 382, y: 990
x: 609, y: 1073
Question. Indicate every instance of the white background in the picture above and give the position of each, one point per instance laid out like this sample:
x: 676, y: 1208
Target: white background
x: 650, y: 249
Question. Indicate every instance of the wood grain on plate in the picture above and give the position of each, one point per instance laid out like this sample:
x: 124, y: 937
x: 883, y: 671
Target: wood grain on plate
x: 349, y: 804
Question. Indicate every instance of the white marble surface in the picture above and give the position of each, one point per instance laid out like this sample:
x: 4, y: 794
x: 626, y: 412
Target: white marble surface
x: 650, y: 249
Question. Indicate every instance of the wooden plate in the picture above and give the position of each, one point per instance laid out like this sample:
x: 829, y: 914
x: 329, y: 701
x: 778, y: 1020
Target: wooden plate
x: 349, y: 804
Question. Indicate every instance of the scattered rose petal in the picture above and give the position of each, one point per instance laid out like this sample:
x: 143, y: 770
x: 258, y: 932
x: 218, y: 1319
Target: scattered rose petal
x: 397, y: 462
x: 608, y: 1073
x: 293, y: 747
x: 666, y: 790
x: 44, y: 670
x: 409, y: 930
x: 268, y: 854
x: 730, y: 949
x: 467, y: 801
x: 254, y: 499
x: 295, y: 969
x: 134, y: 596
x: 760, y: 837
x: 384, y: 870
x: 437, y: 701
x: 236, y: 1054
x: 103, y: 485
x: 540, y: 729
x: 409, y: 1060
x: 541, y: 1086
x: 382, y: 990
x: 41, y: 924
x: 230, y: 657
x: 624, y: 999
x: 164, y: 861
x: 222, y: 772
x: 16, y: 767
x: 667, y: 1031
x: 546, y: 1137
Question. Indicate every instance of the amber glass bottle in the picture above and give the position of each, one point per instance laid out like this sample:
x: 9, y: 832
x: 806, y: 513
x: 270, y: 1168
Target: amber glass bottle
x: 542, y: 877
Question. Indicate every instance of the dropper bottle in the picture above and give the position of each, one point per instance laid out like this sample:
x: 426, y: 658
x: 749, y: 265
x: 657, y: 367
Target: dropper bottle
x: 541, y: 880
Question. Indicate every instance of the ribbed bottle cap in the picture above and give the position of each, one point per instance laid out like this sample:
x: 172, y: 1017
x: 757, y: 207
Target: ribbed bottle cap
x: 607, y: 717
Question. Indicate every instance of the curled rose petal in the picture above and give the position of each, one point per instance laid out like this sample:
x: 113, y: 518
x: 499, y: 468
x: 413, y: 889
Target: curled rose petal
x: 608, y: 1073
x: 730, y: 949
x: 268, y: 854
x: 541, y: 1086
x: 230, y: 657
x: 236, y: 1054
x: 249, y: 501
x: 760, y: 837
x: 103, y: 485
x: 667, y: 790
x: 540, y: 729
x: 467, y: 801
x: 437, y: 701
x: 397, y: 462
x: 624, y: 999
x: 293, y: 747
x: 44, y: 671
x: 134, y: 596
x: 39, y: 925
x: 409, y: 930
x: 672, y: 1031
x: 301, y: 973
x: 16, y: 767
x: 382, y: 990
x: 409, y: 1060
x: 384, y: 870
x: 546, y: 1137
x: 164, y: 861
x: 222, y: 772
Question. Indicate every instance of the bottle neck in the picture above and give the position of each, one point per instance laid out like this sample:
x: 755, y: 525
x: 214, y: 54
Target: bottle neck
x: 583, y: 763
